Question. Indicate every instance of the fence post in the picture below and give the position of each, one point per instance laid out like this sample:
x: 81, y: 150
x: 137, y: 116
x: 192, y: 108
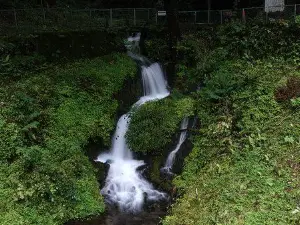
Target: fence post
x: 243, y: 15
x: 208, y: 16
x: 148, y: 15
x: 295, y: 12
x: 195, y: 16
x: 156, y: 16
x: 15, y: 16
x: 221, y: 14
x: 110, y: 17
x: 134, y: 19
x: 44, y: 15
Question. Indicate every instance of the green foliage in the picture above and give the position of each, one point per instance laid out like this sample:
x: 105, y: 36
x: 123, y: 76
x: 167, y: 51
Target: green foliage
x: 295, y: 102
x: 46, y: 119
x: 259, y: 40
x: 239, y: 171
x: 297, y: 20
x: 191, y: 49
x: 221, y: 83
x: 10, y: 140
x: 153, y: 124
x: 6, y: 47
x: 244, y: 164
x: 193, y: 46
x: 15, y: 67
x: 197, y: 60
x: 157, y: 49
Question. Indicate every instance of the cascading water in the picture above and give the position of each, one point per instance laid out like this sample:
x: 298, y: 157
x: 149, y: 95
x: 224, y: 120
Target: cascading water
x: 124, y: 184
x: 171, y: 158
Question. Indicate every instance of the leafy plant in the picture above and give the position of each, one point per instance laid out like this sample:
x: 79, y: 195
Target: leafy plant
x: 46, y: 119
x: 258, y: 39
x: 153, y: 124
x: 238, y: 166
x: 297, y: 19
x: 295, y: 102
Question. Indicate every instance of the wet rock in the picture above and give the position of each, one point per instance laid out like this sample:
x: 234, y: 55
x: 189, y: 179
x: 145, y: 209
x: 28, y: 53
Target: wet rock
x: 114, y: 217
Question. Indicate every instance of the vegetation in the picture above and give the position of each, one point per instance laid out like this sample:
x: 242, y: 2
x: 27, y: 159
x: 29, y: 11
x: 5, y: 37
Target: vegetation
x: 243, y: 167
x: 244, y: 164
x: 153, y: 124
x: 46, y: 118
x: 242, y: 82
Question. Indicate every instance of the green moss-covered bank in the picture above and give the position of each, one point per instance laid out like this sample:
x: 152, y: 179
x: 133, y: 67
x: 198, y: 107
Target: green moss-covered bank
x: 244, y: 80
x: 47, y: 116
x: 59, y: 45
x: 244, y: 165
x: 243, y: 168
x: 154, y: 123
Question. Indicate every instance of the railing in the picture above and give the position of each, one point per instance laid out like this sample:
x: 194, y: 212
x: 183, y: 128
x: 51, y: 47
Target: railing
x: 289, y: 12
x: 43, y: 19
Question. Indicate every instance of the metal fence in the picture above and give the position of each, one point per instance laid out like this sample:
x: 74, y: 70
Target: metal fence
x: 287, y: 12
x: 67, y: 19
x: 43, y: 19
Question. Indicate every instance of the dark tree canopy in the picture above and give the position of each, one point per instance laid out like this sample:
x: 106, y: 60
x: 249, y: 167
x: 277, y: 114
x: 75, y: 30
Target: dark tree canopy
x: 182, y: 4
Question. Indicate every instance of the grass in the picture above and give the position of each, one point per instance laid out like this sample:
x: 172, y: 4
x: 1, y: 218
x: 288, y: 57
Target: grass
x: 153, y: 124
x: 46, y: 119
x: 244, y: 165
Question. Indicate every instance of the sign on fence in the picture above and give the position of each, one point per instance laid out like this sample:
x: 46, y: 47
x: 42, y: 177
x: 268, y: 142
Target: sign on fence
x: 41, y: 19
x: 274, y: 5
x: 161, y: 13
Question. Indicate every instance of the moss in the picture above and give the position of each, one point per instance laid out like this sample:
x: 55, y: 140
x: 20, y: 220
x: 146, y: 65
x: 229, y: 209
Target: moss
x: 153, y: 124
x: 155, y: 175
x: 46, y: 120
x: 239, y: 171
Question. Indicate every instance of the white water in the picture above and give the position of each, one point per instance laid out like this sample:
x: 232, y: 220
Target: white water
x: 124, y: 184
x: 171, y: 158
x: 135, y: 39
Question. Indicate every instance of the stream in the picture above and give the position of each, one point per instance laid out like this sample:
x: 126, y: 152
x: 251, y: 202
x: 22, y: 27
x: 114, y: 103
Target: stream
x: 130, y: 198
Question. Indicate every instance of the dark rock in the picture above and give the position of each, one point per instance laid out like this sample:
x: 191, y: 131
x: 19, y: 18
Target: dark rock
x: 114, y: 217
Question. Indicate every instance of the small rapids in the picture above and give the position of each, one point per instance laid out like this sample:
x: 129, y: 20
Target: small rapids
x: 171, y: 158
x: 124, y: 185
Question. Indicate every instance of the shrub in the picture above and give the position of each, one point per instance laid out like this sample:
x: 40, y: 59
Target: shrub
x: 237, y: 172
x: 10, y: 140
x: 153, y: 124
x: 295, y: 102
x: 46, y: 119
x: 258, y: 40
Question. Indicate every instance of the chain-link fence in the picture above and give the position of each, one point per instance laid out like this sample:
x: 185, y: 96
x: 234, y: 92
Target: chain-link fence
x: 288, y: 12
x: 69, y: 19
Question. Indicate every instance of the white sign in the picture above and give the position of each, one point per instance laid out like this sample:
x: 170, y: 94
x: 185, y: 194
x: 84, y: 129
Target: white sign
x: 274, y: 5
x: 161, y: 13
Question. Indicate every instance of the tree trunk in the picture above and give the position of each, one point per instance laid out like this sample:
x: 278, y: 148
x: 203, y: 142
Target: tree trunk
x: 171, y: 7
x: 51, y: 3
x: 208, y: 11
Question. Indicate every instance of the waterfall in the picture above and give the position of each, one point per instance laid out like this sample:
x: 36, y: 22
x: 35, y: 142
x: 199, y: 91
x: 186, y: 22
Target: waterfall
x: 124, y: 185
x: 171, y: 158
